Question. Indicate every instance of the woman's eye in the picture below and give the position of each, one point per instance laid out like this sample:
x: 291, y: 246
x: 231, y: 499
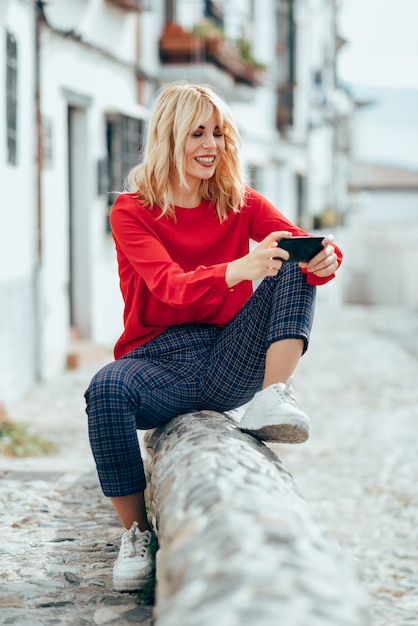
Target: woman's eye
x: 199, y: 133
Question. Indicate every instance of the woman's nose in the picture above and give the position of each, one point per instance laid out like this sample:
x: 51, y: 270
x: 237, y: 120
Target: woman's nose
x: 209, y: 141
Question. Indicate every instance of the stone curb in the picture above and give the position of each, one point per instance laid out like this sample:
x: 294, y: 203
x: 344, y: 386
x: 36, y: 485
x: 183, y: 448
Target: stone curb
x: 238, y: 546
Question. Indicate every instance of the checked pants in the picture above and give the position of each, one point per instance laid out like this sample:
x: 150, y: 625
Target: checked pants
x: 190, y: 367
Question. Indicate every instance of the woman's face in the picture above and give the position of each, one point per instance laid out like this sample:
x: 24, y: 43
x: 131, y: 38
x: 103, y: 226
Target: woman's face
x: 203, y: 150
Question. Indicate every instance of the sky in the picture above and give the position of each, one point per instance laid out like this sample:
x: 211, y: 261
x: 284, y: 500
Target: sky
x: 379, y: 62
x: 382, y: 48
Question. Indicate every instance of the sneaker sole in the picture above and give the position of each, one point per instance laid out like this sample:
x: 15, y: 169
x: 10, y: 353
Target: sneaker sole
x: 120, y: 584
x: 279, y: 433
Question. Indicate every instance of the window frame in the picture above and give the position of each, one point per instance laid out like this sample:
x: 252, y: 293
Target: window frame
x: 124, y: 143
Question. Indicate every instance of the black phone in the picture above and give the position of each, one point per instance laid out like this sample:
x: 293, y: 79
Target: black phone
x: 301, y: 249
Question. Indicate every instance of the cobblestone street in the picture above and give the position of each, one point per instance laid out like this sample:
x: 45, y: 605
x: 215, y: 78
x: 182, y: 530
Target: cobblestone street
x: 59, y: 535
x: 358, y: 472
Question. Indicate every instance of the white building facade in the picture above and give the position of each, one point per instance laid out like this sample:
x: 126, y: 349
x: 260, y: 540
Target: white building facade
x: 382, y: 255
x: 77, y: 80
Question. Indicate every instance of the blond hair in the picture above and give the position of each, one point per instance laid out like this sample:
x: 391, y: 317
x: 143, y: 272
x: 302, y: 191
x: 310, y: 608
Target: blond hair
x: 179, y: 109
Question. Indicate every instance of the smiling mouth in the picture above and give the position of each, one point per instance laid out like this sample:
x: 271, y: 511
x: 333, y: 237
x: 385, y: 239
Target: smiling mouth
x: 205, y: 160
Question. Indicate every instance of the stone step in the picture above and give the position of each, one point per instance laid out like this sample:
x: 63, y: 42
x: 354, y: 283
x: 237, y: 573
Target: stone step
x: 83, y: 352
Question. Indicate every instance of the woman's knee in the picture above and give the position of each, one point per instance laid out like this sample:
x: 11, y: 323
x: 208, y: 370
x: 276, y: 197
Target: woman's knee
x: 292, y: 285
x: 110, y: 386
x: 291, y: 272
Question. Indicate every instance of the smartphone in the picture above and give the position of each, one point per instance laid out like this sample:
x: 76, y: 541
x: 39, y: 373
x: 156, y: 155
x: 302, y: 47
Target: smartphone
x: 301, y: 249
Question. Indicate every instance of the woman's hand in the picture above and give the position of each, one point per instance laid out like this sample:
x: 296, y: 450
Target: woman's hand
x: 325, y: 263
x: 263, y: 260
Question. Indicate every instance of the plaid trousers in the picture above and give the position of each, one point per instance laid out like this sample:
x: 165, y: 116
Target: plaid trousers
x: 190, y: 367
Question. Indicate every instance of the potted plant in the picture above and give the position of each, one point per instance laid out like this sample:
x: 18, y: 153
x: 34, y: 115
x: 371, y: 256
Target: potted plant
x: 206, y: 42
x: 178, y: 45
x: 254, y: 71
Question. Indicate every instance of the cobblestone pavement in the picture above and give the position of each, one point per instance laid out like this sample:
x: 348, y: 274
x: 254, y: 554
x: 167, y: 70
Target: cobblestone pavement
x: 359, y: 471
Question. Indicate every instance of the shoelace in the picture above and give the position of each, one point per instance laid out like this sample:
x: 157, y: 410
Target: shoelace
x: 136, y: 542
x: 235, y: 414
x: 286, y: 393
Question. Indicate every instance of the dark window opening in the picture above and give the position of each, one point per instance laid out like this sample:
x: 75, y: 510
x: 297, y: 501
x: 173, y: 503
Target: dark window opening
x: 11, y: 98
x: 124, y: 138
x: 213, y: 11
x: 300, y: 200
x: 170, y: 11
x: 286, y: 55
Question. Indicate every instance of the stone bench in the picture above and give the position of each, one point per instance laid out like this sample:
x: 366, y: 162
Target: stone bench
x: 237, y: 543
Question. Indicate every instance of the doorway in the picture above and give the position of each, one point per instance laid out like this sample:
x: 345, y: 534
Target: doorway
x: 79, y: 269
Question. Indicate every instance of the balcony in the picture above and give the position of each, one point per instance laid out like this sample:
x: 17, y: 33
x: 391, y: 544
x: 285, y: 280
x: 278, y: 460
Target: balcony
x: 208, y: 57
x: 131, y: 5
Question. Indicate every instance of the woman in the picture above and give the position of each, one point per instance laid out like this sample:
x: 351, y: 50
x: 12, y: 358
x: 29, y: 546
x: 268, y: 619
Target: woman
x: 195, y: 337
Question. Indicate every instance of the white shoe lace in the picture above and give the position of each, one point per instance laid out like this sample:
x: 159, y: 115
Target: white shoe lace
x: 236, y: 414
x: 285, y: 392
x: 135, y: 542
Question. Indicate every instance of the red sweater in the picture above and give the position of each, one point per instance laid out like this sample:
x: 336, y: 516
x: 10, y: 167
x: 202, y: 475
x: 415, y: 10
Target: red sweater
x: 173, y: 272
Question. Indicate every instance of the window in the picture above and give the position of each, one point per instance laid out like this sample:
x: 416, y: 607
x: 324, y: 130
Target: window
x: 124, y: 136
x: 170, y: 11
x: 286, y: 48
x: 213, y: 11
x: 253, y: 173
x: 11, y: 98
x: 301, y: 200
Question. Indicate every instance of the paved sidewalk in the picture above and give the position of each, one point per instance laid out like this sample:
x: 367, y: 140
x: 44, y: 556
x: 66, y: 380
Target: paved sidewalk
x: 59, y: 535
x: 359, y: 471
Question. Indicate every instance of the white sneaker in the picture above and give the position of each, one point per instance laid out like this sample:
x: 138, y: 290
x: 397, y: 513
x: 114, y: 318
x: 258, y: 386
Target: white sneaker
x: 274, y: 415
x: 134, y: 566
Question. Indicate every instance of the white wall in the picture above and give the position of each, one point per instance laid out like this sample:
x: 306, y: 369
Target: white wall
x: 18, y: 182
x: 382, y: 251
x: 18, y: 215
x: 104, y: 86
